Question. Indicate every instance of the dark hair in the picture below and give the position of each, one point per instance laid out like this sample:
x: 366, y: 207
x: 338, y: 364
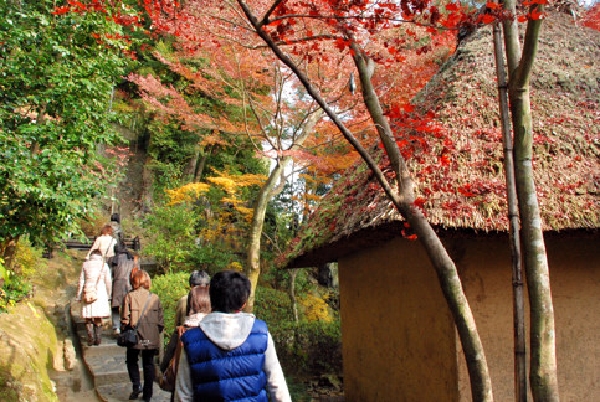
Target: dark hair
x: 199, y: 278
x: 229, y: 291
x: 198, y: 300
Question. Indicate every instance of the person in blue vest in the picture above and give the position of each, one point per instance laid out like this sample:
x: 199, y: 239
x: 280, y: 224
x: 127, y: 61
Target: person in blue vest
x: 230, y: 356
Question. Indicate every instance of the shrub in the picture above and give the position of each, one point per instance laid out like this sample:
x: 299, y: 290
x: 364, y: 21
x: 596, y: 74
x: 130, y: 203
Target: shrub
x: 12, y: 292
x: 306, y: 347
x: 315, y: 308
x: 172, y: 240
x: 29, y: 261
x: 217, y: 255
x: 273, y: 306
x: 170, y: 288
x: 16, y: 282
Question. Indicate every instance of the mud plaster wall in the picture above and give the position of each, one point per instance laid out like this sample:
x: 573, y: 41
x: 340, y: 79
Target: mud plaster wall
x: 398, y: 335
x: 399, y: 341
x: 575, y: 284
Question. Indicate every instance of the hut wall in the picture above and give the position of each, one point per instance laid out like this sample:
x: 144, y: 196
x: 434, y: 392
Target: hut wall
x: 484, y: 267
x: 399, y: 340
x: 485, y: 271
x: 398, y: 335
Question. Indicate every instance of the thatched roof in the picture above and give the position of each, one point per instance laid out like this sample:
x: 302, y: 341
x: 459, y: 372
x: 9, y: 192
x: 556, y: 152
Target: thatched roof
x: 468, y: 194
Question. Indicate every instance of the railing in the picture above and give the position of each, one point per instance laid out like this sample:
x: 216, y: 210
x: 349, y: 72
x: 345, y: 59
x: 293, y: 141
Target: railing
x: 147, y: 263
x: 76, y: 244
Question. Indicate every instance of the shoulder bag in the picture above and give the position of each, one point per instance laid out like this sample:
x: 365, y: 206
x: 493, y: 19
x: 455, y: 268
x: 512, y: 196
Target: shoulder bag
x: 130, y: 337
x: 105, y: 255
x: 90, y: 294
x: 166, y: 381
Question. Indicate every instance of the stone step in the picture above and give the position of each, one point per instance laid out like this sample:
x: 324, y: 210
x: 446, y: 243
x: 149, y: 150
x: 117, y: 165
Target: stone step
x: 107, y: 369
x: 106, y: 363
x: 108, y: 346
x: 119, y: 392
x: 105, y: 348
x: 110, y: 376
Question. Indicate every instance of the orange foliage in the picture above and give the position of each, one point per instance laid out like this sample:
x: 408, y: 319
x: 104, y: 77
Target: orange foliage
x: 224, y: 78
x: 315, y: 36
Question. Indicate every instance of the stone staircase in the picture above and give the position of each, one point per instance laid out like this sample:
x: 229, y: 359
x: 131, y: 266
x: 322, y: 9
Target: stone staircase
x: 105, y: 363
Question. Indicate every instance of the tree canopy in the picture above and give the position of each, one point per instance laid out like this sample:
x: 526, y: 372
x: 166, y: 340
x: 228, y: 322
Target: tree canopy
x: 58, y: 73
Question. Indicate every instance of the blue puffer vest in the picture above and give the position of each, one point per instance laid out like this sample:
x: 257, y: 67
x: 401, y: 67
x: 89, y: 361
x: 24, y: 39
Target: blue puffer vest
x: 234, y: 375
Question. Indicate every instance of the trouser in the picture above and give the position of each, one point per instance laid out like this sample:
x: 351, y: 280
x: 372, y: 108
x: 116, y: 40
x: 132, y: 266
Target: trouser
x: 134, y: 370
x: 116, y: 318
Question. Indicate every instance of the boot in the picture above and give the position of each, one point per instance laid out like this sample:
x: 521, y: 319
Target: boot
x: 90, y: 333
x: 97, y: 334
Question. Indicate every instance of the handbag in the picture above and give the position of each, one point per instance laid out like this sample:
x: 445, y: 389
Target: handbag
x: 90, y: 294
x: 166, y: 381
x: 130, y: 337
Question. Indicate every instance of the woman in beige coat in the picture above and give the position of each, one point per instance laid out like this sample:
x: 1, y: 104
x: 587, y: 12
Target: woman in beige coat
x: 106, y: 244
x: 95, y: 275
x: 149, y: 324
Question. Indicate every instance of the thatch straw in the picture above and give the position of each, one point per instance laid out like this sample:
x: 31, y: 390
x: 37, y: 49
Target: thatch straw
x: 565, y: 97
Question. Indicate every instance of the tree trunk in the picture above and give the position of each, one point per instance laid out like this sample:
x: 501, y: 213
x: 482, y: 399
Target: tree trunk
x: 200, y: 165
x: 9, y: 251
x: 513, y: 221
x: 543, y: 370
x: 189, y: 171
x: 481, y: 385
x: 254, y: 244
x: 292, y: 293
x: 267, y: 192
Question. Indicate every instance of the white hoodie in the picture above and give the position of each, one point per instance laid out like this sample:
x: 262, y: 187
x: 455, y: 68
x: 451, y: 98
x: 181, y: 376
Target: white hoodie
x: 228, y: 331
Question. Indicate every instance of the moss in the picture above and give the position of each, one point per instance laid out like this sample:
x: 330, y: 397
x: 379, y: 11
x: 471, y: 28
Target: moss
x: 28, y: 338
x: 28, y: 343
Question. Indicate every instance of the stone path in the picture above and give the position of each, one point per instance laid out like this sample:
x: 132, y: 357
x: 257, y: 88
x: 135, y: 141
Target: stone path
x: 105, y: 363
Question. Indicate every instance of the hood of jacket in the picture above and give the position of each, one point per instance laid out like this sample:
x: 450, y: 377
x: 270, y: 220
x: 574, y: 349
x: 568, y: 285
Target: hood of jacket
x: 193, y: 320
x: 227, y: 331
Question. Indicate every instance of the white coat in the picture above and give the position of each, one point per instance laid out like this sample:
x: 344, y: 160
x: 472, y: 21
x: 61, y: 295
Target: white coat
x: 106, y: 245
x: 95, y: 271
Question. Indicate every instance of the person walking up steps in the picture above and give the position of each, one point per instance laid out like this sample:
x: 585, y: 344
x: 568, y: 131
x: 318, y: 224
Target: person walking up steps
x: 106, y: 244
x: 142, y: 308
x: 230, y: 356
x: 121, y: 286
x: 198, y: 306
x: 197, y: 278
x: 95, y: 280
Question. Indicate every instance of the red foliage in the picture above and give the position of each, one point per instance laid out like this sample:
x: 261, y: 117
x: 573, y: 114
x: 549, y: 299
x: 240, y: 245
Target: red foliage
x: 122, y: 15
x: 80, y: 8
x: 591, y: 19
x: 317, y: 37
x: 61, y: 10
